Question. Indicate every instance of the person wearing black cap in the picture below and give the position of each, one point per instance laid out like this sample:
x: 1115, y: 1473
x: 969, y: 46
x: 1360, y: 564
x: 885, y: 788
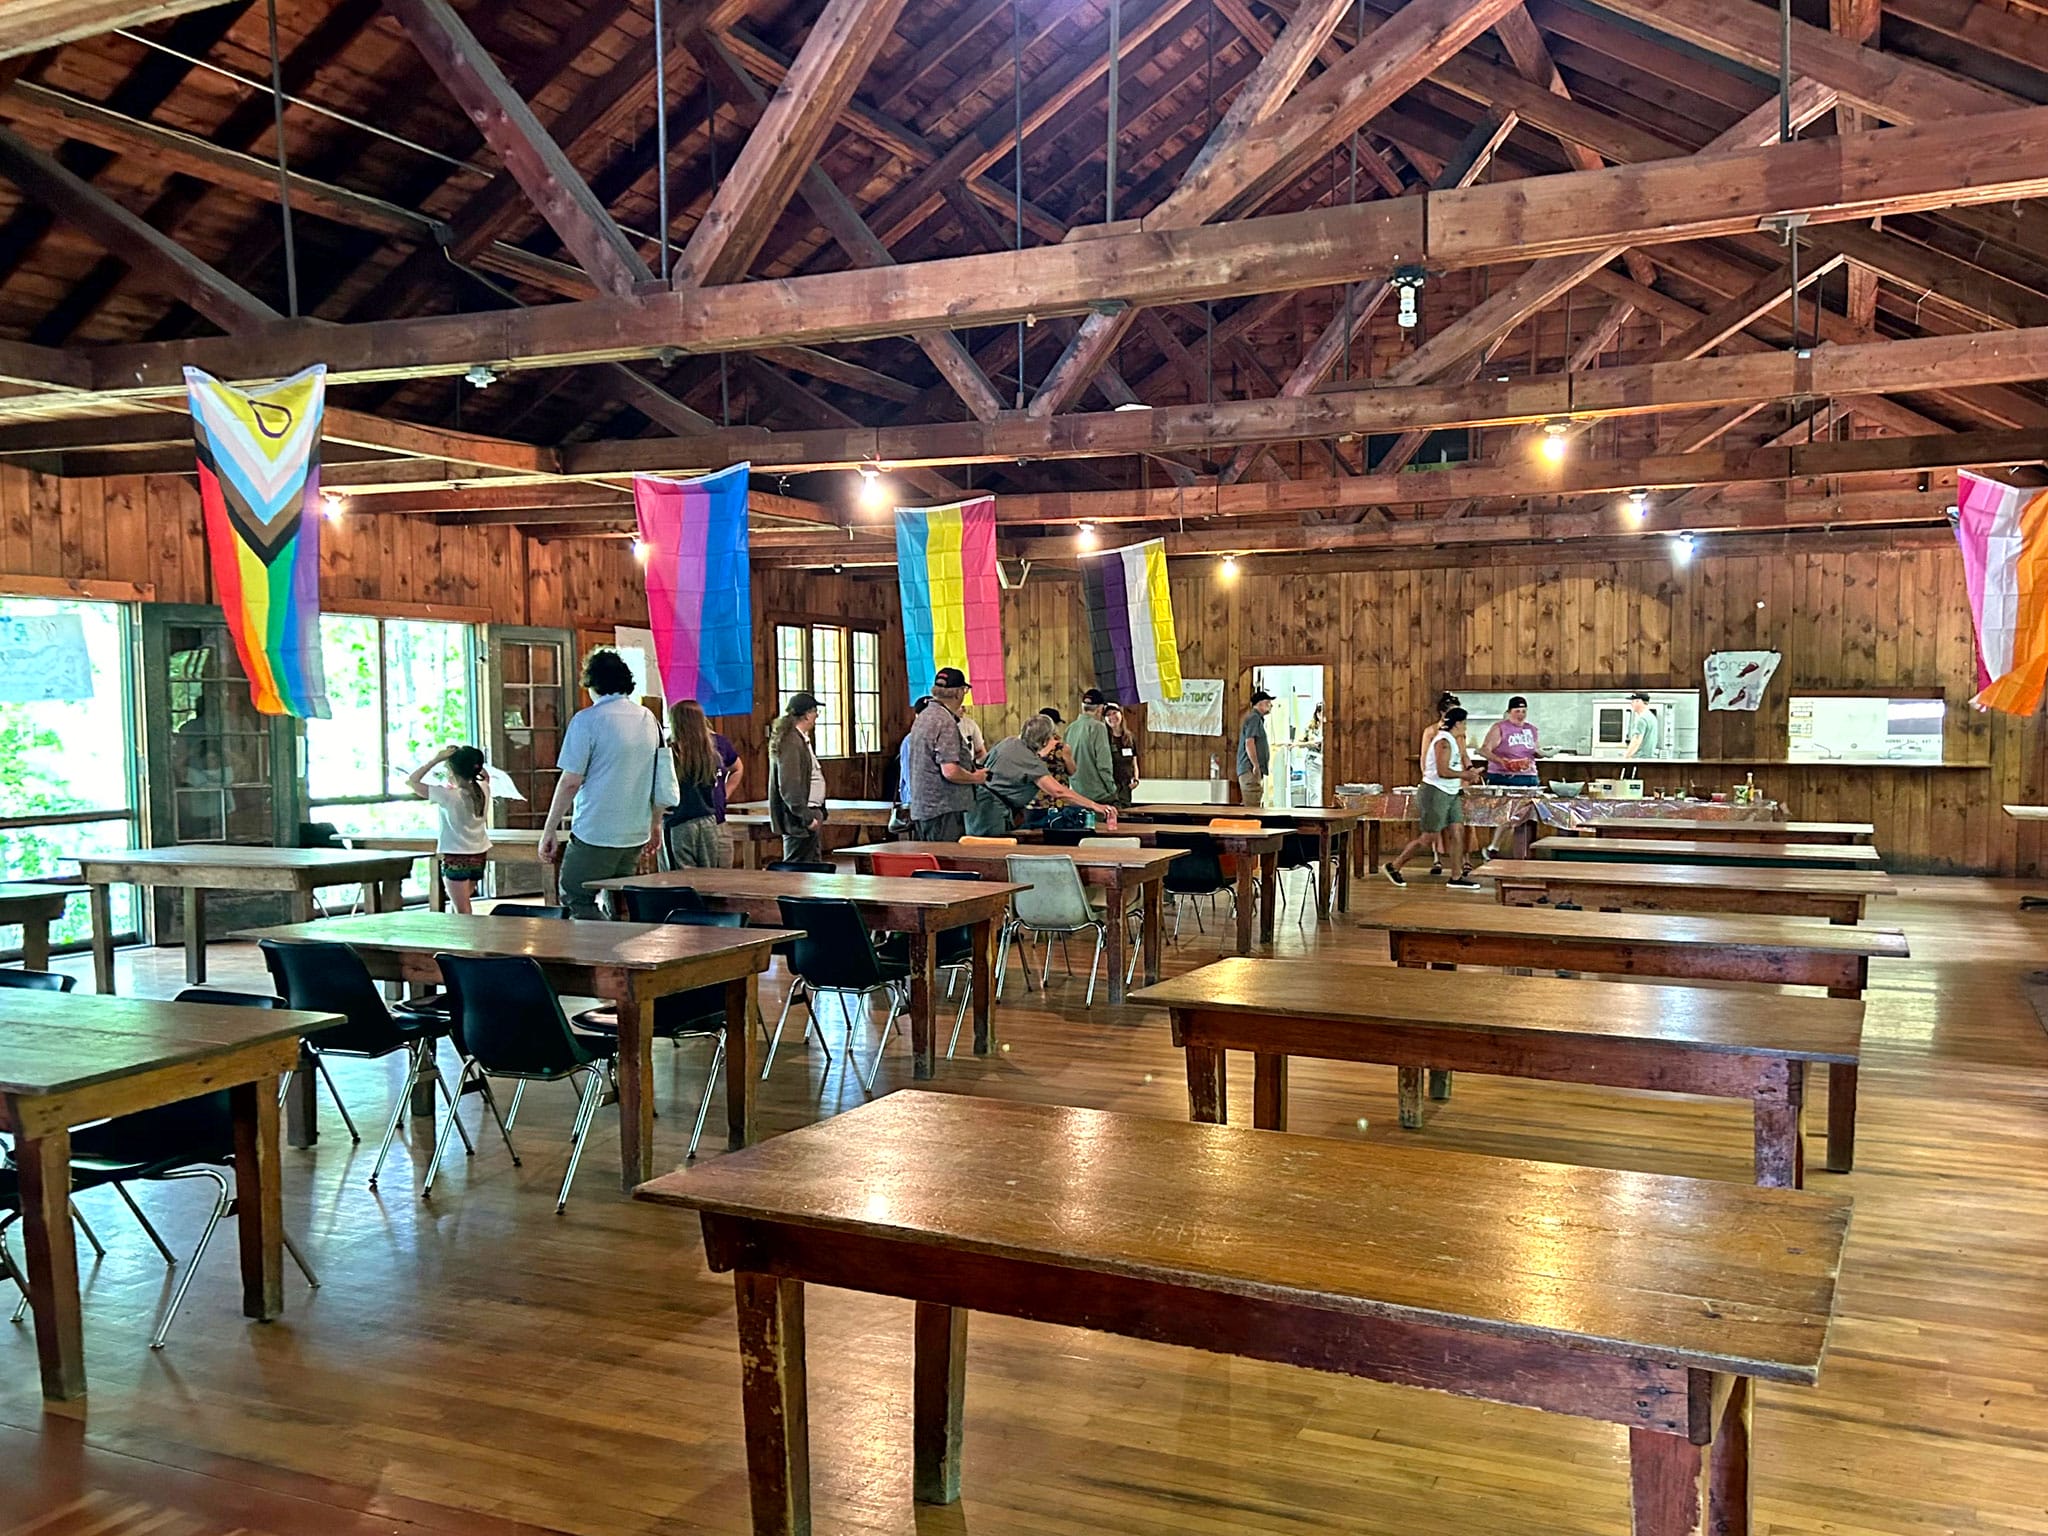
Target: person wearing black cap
x: 1645, y: 732
x: 1509, y: 749
x: 1088, y: 741
x: 941, y: 779
x: 796, y: 781
x: 1254, y: 753
x: 903, y: 752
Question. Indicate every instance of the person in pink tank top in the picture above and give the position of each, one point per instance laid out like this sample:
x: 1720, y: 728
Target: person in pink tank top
x: 1510, y: 747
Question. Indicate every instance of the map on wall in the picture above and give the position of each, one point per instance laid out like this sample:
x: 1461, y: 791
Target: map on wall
x: 1197, y: 712
x: 44, y: 658
x: 1737, y: 679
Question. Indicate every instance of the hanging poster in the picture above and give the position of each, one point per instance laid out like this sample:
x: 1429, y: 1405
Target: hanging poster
x: 43, y: 658
x: 1197, y: 712
x: 1737, y: 679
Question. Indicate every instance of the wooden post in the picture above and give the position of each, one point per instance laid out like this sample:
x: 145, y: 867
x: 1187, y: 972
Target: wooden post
x: 44, y: 1163
x: 1667, y: 1484
x: 302, y: 1102
x: 1410, y: 1080
x: 773, y: 1402
x: 1343, y: 862
x: 1269, y: 895
x: 1152, y: 927
x: 636, y: 1074
x: 739, y: 1074
x: 1113, y: 935
x: 35, y: 943
x: 101, y: 901
x: 1841, y: 1116
x: 1246, y: 883
x: 1208, y: 1089
x: 195, y: 936
x: 1780, y: 1143
x: 938, y: 1392
x: 1325, y: 876
x: 259, y: 1198
x: 1269, y: 1092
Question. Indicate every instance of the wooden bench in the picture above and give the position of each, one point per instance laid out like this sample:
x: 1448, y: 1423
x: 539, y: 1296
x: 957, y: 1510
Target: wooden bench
x: 1705, y: 851
x: 1651, y: 1302
x: 1781, y: 951
x: 1837, y: 895
x: 1835, y: 832
x: 1616, y: 1035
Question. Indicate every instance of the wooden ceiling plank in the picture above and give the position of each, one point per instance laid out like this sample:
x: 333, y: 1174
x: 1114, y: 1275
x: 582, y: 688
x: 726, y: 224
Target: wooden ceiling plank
x: 28, y: 26
x: 784, y: 143
x: 525, y: 148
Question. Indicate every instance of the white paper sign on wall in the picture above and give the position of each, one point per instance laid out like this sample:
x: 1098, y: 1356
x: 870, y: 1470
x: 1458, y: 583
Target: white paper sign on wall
x: 1197, y: 712
x: 1737, y: 679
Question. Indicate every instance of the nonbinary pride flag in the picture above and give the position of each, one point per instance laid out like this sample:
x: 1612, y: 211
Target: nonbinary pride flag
x: 259, y: 490
x: 946, y: 569
x: 2003, y: 531
x: 693, y: 536
x: 1130, y: 623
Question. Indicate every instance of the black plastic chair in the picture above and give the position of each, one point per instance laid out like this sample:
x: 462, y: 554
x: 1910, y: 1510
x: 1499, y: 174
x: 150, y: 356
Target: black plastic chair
x: 956, y: 953
x: 836, y: 957
x: 1296, y: 853
x: 698, y: 1014
x: 510, y: 1024
x: 510, y: 909
x: 1197, y: 872
x: 331, y: 978
x: 36, y: 981
x: 803, y: 867
x: 643, y: 904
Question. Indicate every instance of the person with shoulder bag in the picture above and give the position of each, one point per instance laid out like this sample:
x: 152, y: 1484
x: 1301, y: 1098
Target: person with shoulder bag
x: 1019, y: 772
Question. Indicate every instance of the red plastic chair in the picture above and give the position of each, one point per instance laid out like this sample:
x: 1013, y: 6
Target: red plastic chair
x: 901, y: 865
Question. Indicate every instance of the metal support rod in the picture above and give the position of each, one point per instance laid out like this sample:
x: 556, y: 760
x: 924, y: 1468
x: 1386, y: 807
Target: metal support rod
x: 1116, y: 32
x: 661, y: 132
x: 1017, y: 155
x: 284, y: 176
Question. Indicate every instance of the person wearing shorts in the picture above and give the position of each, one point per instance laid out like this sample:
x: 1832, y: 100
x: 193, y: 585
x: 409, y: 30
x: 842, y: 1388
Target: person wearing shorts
x: 1446, y: 768
x: 462, y: 838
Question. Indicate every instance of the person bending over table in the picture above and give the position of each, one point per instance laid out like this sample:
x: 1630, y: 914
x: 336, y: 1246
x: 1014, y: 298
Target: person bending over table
x: 1446, y: 770
x: 618, y: 773
x: 1510, y: 747
x: 1020, y: 772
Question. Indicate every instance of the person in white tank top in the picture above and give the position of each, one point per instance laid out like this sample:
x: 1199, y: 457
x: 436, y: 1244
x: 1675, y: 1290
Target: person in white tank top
x: 1446, y: 765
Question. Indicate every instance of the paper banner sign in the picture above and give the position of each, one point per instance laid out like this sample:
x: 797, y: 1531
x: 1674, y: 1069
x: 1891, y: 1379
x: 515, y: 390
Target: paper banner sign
x: 1737, y: 679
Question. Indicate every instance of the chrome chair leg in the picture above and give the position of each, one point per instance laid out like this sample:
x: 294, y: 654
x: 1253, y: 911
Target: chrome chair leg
x: 221, y: 1202
x: 156, y: 1237
x: 1101, y: 933
x: 483, y: 1084
x: 593, y: 1091
x: 412, y: 1077
x: 441, y: 1141
x: 441, y: 1084
x: 91, y: 1236
x: 959, y: 1018
x: 1045, y: 974
x: 775, y: 1038
x: 518, y: 1093
x: 897, y: 1005
x: 334, y: 1093
x: 299, y: 1259
x: 710, y: 1086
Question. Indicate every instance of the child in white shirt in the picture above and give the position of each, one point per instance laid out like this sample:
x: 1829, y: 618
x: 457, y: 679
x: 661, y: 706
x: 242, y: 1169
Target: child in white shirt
x: 462, y: 842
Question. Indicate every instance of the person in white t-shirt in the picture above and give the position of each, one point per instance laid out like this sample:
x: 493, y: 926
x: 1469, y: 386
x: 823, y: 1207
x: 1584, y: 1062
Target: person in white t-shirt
x: 462, y: 797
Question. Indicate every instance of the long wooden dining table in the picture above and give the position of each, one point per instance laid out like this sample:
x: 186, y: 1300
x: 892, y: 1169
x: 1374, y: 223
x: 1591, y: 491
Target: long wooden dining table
x: 1837, y: 895
x: 1330, y: 828
x: 628, y: 964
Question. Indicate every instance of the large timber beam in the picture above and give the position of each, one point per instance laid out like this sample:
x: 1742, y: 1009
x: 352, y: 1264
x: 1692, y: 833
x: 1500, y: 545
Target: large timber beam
x: 1983, y: 159
x: 508, y: 125
x: 29, y: 26
x: 842, y: 44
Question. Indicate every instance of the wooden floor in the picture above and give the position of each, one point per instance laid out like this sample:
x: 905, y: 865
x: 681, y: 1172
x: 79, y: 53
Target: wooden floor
x: 481, y: 1363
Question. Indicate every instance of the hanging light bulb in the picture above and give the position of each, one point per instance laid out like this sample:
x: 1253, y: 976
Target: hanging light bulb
x: 1086, y: 535
x: 1227, y: 569
x: 1681, y: 549
x: 332, y: 506
x: 481, y: 376
x: 874, y: 491
x: 1553, y: 444
x: 640, y: 550
x: 1638, y: 504
x: 1407, y: 285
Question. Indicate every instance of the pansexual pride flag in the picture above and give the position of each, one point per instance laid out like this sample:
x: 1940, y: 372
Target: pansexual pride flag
x: 259, y: 489
x: 2004, y: 534
x: 693, y: 536
x: 946, y: 568
x: 1130, y: 623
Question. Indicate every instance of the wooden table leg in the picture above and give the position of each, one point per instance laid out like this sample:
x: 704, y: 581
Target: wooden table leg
x: 938, y: 1393
x: 101, y: 899
x: 44, y: 1163
x: 773, y: 1402
x: 636, y: 1085
x: 437, y: 888
x: 1678, y: 1488
x: 1780, y: 1145
x: 1326, y: 876
x: 1269, y: 895
x: 739, y: 1073
x: 259, y: 1198
x: 983, y: 938
x: 35, y: 943
x: 1208, y: 1088
x: 1410, y: 1081
x: 551, y: 883
x: 390, y: 894
x: 301, y: 904
x: 1344, y: 869
x: 1269, y: 1092
x: 195, y: 936
x: 1116, y: 938
x: 1247, y: 885
x: 1841, y: 1116
x: 924, y: 991
x: 302, y: 1102
x: 1152, y: 928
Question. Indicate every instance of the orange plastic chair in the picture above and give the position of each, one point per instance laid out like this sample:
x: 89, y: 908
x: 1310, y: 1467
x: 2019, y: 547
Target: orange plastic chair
x: 1235, y: 824
x: 902, y: 865
x: 988, y: 842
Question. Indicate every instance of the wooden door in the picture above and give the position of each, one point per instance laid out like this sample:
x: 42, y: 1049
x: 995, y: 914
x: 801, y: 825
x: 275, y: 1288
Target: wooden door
x: 528, y: 696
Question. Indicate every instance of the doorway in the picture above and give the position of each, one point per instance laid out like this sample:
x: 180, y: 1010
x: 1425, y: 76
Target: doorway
x: 1296, y: 730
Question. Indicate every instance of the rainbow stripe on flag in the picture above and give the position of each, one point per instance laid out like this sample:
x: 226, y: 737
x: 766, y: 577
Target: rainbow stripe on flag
x: 259, y: 488
x: 693, y: 536
x: 1130, y: 623
x: 946, y: 569
x: 2003, y: 531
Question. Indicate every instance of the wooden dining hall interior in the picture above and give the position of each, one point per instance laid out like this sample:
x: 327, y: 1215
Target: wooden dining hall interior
x: 980, y: 767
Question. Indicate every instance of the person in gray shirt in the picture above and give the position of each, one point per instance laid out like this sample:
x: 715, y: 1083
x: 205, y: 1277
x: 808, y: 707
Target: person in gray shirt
x: 1020, y: 771
x: 941, y: 780
x: 1094, y: 757
x: 1254, y: 754
x: 1646, y: 731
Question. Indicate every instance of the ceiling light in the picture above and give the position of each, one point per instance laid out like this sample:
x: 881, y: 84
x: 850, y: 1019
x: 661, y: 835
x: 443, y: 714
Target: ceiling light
x: 1553, y: 445
x: 640, y: 550
x: 481, y: 375
x: 1681, y: 549
x: 1134, y: 405
x: 874, y: 490
x: 1227, y: 569
x: 1087, y: 535
x: 1638, y: 504
x: 332, y: 506
x: 1407, y: 285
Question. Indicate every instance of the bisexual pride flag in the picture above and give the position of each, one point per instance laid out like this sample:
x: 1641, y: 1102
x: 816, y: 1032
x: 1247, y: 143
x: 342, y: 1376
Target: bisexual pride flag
x: 946, y: 570
x: 693, y: 536
x: 1130, y: 623
x: 2003, y: 531
x: 259, y: 492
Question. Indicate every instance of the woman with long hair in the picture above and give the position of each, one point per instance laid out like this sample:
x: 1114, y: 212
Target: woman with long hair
x: 462, y: 840
x: 692, y: 828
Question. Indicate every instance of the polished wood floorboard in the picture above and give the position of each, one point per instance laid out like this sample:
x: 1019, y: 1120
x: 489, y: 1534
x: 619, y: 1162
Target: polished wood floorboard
x: 482, y: 1358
